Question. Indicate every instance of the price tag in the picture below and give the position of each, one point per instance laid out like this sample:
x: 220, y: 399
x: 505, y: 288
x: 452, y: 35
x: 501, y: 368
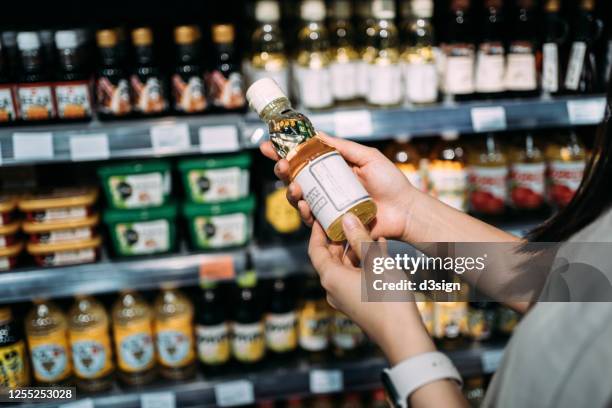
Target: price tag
x: 233, y: 393
x: 490, y: 360
x: 586, y: 112
x: 218, y: 139
x: 353, y: 123
x: 89, y: 147
x: 489, y: 119
x: 326, y: 381
x: 170, y: 138
x: 215, y: 268
x: 158, y: 400
x: 82, y: 403
x: 29, y: 146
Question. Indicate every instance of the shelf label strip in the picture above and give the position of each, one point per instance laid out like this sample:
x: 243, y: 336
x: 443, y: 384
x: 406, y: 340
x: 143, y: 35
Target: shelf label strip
x: 219, y: 139
x: 30, y: 146
x: 326, y: 381
x: 489, y: 119
x: 89, y: 147
x: 490, y: 360
x: 170, y: 138
x: 234, y: 393
x: 353, y: 123
x: 158, y: 400
x: 586, y: 112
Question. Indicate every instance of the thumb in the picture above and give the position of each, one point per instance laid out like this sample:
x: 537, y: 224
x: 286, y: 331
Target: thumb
x: 355, y: 232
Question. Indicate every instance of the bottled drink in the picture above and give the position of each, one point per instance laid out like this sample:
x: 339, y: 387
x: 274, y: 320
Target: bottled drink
x: 173, y: 327
x: 133, y: 334
x: 450, y: 322
x: 344, y: 55
x: 293, y: 137
x: 555, y: 36
x: 527, y: 175
x: 491, y: 60
x: 212, y: 329
x: 506, y: 320
x: 446, y: 173
x: 92, y: 353
x: 566, y: 160
x: 281, y: 319
x: 8, y: 113
x: 248, y: 337
x: 188, y: 79
x: 481, y: 320
x: 488, y: 178
x: 474, y: 391
x: 365, y: 43
x: 459, y: 55
x: 521, y: 77
x: 47, y: 332
x: 406, y: 157
x: 224, y: 82
x: 314, y: 321
x: 14, y: 368
x: 112, y: 87
x: 347, y: 338
x: 148, y: 85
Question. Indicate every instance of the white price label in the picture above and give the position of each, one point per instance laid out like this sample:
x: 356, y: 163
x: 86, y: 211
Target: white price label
x: 158, y: 400
x: 82, y: 403
x: 89, y: 147
x: 490, y: 360
x: 586, y: 112
x: 353, y: 123
x: 489, y: 119
x: 233, y: 393
x: 326, y: 381
x: 170, y: 138
x: 219, y: 139
x: 28, y: 146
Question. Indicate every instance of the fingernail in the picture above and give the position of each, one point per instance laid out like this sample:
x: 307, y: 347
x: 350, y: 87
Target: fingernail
x: 350, y: 221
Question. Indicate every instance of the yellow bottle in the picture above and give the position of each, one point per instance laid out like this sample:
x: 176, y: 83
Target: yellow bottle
x: 14, y: 368
x: 566, y: 162
x: 314, y: 321
x: 446, y: 172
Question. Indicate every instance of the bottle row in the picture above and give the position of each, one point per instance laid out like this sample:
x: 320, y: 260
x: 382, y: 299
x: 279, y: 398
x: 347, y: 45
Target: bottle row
x: 369, y: 399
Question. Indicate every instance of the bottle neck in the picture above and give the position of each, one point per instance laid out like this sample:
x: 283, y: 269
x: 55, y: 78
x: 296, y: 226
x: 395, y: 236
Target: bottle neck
x: 275, y: 108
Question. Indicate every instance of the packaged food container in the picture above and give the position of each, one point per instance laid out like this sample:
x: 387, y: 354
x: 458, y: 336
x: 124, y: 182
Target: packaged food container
x: 220, y: 225
x: 65, y: 253
x: 7, y: 209
x: 8, y: 256
x: 215, y: 179
x: 136, y: 184
x: 143, y: 231
x: 59, y: 204
x: 8, y: 234
x: 61, y: 231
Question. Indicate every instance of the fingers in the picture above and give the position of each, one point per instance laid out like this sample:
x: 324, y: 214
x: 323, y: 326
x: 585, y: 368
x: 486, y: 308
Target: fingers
x: 267, y: 148
x: 355, y: 153
x: 318, y: 251
x: 355, y: 233
x: 305, y: 212
x: 281, y: 170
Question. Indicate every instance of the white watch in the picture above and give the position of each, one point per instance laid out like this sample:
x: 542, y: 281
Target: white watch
x: 411, y: 374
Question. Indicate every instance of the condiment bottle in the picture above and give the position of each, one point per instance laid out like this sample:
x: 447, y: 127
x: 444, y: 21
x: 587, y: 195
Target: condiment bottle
x: 344, y: 55
x: 188, y: 79
x: 212, y: 329
x: 281, y: 319
x: 112, y: 87
x: 224, y: 82
x: 527, y: 175
x: 248, y: 333
x: 14, y: 368
x: 446, y: 172
x: 148, y: 85
x: 488, y: 178
x: 314, y: 321
x: 566, y: 160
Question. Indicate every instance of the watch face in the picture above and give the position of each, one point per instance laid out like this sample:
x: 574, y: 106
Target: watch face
x: 392, y: 394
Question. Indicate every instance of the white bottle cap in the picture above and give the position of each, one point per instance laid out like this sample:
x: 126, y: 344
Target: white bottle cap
x: 66, y: 39
x: 383, y: 9
x: 267, y: 11
x: 262, y: 92
x: 312, y: 10
x: 28, y: 40
x: 422, y: 8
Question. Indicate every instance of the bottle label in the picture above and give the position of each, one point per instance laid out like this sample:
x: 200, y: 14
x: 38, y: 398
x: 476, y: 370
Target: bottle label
x: 35, y: 101
x: 490, y: 67
x: 346, y: 334
x: 113, y: 99
x: 7, y: 105
x: 220, y: 231
x: 459, y: 75
x: 189, y: 95
x: 449, y: 185
x: 148, y: 96
x: 280, y: 76
x: 384, y: 84
x: 72, y: 234
x: 550, y: 67
x: 50, y: 356
x: 281, y: 331
x: 56, y: 214
x: 73, y: 99
x: 564, y: 179
x: 281, y: 215
x: 174, y: 341
x: 213, y: 344
x: 330, y: 188
x: 226, y: 93
x: 134, y: 345
x: 480, y: 323
x: 248, y: 343
x: 313, y: 328
x: 61, y: 258
x: 451, y: 319
x: 575, y: 65
x: 488, y: 188
x: 362, y: 78
x: 344, y: 80
x: 527, y: 184
x: 413, y: 175
x: 14, y: 371
x: 5, y: 263
x: 421, y: 80
x: 218, y: 184
x: 146, y: 237
x: 138, y: 190
x: 91, y: 352
x: 314, y: 87
x: 521, y: 68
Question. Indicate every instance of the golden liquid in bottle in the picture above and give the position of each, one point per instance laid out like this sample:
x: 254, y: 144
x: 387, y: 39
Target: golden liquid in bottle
x: 566, y: 163
x: 488, y: 174
x: 446, y: 173
x: 527, y: 175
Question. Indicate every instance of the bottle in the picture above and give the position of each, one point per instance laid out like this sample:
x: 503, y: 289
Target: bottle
x: 347, y: 338
x: 566, y: 161
x: 521, y: 76
x: 582, y: 74
x: 490, y: 60
x: 293, y: 137
x: 8, y: 113
x: 344, y: 55
x: 314, y: 320
x: 268, y: 58
x: 450, y: 323
x: 446, y: 172
x: 382, y: 56
x: 48, y: 47
x: 488, y: 178
x: 173, y: 327
x: 474, y: 391
x: 34, y: 92
x: 418, y: 55
x: 379, y: 399
x: 248, y: 330
x: 47, y: 333
x: 459, y: 54
x: 14, y: 368
x: 281, y: 319
x: 90, y: 343
x: 73, y: 91
x: 311, y: 70
x: 188, y: 79
x: 224, y: 82
x: 481, y: 320
x: 527, y: 175
x: 133, y: 334
x: 112, y: 87
x: 553, y: 47
x: 148, y: 85
x: 365, y: 44
x: 212, y: 329
x: 506, y: 321
x: 406, y: 157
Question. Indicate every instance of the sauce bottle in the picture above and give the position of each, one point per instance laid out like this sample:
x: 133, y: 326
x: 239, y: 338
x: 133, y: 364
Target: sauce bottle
x: 174, y: 339
x: 188, y: 79
x: 112, y: 87
x: 314, y: 321
x: 133, y: 334
x: 446, y: 172
x: 474, y: 391
x: 293, y: 137
x: 481, y: 320
x: 281, y: 319
x: 406, y: 157
x: 555, y: 36
x: 347, y: 338
x: 344, y: 55
x: 92, y: 353
x: 521, y: 72
x: 488, y: 178
x: 566, y: 160
x: 14, y: 368
x: 148, y: 86
x: 47, y: 333
x: 491, y: 61
x: 8, y: 113
x: 527, y: 175
x: 224, y: 82
x: 212, y: 329
x: 248, y: 337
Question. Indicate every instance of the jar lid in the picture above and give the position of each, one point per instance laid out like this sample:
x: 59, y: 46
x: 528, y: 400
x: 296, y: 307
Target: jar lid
x: 187, y: 34
x: 12, y: 250
x: 106, y: 38
x: 142, y: 36
x: 39, y: 249
x: 38, y: 227
x: 112, y: 216
x: 267, y: 11
x: 59, y: 198
x: 244, y: 205
x: 9, y: 229
x: 28, y: 40
x: 262, y: 92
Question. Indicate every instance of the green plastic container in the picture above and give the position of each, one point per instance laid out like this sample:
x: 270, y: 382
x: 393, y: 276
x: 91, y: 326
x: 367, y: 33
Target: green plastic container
x: 216, y: 179
x: 136, y: 184
x: 220, y: 225
x: 142, y: 231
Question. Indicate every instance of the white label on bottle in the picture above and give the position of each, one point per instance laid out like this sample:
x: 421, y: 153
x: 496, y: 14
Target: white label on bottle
x: 490, y: 72
x: 219, y: 139
x: 281, y: 331
x: 330, y: 187
x: 346, y: 334
x: 521, y: 72
x: 2, y: 241
x: 421, y: 81
x: 550, y: 67
x: 488, y: 119
x: 7, y: 108
x: 449, y: 186
x: 213, y: 343
x: 220, y: 231
x: 586, y: 112
x: 527, y: 181
x: 459, y: 75
x: 5, y: 263
x: 565, y: 177
x: 353, y: 123
x: 384, y: 84
x: 73, y: 257
x: 73, y: 234
x: 280, y: 76
x: 73, y: 100
x: 137, y: 190
x: 27, y: 146
x: 575, y: 64
x: 158, y: 400
x: 170, y: 138
x: 490, y: 183
x: 248, y: 343
x: 344, y: 80
x: 145, y: 237
x: 36, y: 102
x: 326, y: 381
x: 234, y: 393
x: 362, y: 78
x: 89, y: 147
x: 314, y: 87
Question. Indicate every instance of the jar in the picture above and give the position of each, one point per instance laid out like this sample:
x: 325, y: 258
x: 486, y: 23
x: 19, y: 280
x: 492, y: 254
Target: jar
x: 59, y: 204
x: 8, y: 234
x: 61, y: 231
x: 65, y: 253
x: 9, y: 255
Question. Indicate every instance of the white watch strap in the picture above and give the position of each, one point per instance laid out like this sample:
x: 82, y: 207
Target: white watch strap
x: 415, y: 372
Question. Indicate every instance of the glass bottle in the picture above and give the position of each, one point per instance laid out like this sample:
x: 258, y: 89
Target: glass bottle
x: 407, y: 158
x: 133, y: 334
x: 281, y: 319
x: 446, y: 172
x: 481, y: 320
x: 459, y: 54
x: 73, y: 91
x: 188, y: 79
x: 566, y: 161
x: 474, y: 391
x: 344, y: 68
x: 527, y: 175
x: 8, y: 113
x: 347, y: 338
x: 450, y: 323
x: 148, y: 85
x: 365, y: 43
x: 224, y: 82
x: 490, y: 60
x: 112, y: 86
x: 248, y: 329
x: 521, y: 72
x: 14, y: 368
x: 47, y: 333
x: 90, y: 342
x: 293, y: 137
x: 488, y: 178
x: 314, y: 321
x: 212, y: 329
x: 553, y: 47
